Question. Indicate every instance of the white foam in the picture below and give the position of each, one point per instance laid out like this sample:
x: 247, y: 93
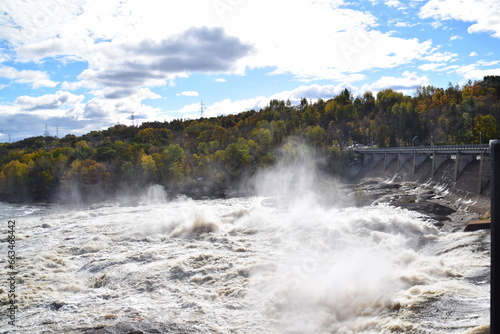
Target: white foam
x: 245, y: 266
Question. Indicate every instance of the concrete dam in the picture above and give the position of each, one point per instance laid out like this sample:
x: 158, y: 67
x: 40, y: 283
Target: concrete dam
x: 460, y: 171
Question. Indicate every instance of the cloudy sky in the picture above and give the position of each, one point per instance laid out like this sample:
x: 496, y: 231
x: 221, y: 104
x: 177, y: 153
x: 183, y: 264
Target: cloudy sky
x: 83, y: 65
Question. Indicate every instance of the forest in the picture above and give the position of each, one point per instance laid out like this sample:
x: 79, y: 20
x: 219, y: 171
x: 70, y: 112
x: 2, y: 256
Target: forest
x: 210, y: 156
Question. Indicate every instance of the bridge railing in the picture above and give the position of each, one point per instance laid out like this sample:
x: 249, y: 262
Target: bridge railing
x: 447, y: 149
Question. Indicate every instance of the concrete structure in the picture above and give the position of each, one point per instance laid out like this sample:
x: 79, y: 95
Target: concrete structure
x: 412, y: 158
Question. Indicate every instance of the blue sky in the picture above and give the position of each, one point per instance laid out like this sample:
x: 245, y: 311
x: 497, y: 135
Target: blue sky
x: 83, y: 65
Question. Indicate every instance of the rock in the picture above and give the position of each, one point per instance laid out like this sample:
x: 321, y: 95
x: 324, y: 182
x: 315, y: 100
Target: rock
x: 477, y: 225
x: 55, y: 306
x: 407, y: 197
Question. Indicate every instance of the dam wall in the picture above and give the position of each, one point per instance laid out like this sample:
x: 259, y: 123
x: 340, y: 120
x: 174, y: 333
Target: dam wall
x: 459, y: 173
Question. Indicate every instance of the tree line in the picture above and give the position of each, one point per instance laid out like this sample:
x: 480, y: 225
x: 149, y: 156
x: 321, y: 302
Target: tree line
x: 208, y: 156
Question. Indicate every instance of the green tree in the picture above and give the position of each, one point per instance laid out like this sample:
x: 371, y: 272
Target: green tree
x: 486, y: 127
x: 346, y: 114
x: 159, y: 137
x: 40, y: 175
x: 237, y: 156
x: 316, y: 136
x: 172, y: 166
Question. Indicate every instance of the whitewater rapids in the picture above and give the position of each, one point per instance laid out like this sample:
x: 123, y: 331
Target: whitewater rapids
x: 244, y: 265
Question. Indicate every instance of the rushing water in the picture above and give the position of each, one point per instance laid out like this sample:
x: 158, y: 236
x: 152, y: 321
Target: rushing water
x: 243, y: 265
x: 299, y: 258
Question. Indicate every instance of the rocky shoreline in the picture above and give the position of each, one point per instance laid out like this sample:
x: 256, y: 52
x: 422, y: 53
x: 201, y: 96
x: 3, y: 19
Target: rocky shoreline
x: 447, y: 210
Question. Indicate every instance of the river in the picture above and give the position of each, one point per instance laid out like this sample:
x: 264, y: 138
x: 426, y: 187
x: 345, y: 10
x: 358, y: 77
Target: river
x: 295, y: 263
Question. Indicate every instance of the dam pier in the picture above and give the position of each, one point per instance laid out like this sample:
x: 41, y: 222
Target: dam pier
x: 462, y: 167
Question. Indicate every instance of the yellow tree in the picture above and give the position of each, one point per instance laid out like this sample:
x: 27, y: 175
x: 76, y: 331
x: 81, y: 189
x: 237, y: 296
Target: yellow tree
x: 149, y: 169
x: 14, y: 181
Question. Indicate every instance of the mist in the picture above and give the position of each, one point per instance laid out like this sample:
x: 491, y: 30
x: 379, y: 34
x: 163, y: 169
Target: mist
x: 336, y: 267
x: 298, y: 179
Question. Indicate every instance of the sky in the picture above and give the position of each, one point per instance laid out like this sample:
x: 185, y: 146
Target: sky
x: 75, y: 66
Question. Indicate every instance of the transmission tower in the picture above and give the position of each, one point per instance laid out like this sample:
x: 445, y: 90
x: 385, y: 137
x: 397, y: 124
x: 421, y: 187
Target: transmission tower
x: 202, y: 109
x: 46, y: 132
x: 132, y: 117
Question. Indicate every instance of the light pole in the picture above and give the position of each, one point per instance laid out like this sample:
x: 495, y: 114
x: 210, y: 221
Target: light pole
x: 413, y: 141
x: 480, y: 138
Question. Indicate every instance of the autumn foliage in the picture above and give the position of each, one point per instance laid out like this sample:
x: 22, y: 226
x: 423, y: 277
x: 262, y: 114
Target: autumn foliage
x: 209, y: 156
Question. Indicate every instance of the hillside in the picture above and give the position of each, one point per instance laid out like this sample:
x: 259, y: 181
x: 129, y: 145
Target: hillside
x: 211, y: 156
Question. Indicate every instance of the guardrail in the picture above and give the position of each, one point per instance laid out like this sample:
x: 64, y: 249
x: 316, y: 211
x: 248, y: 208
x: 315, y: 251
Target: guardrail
x: 448, y: 149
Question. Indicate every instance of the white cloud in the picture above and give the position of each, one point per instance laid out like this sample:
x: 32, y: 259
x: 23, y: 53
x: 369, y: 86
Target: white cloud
x: 395, y: 3
x: 152, y: 63
x: 402, y: 24
x: 27, y: 115
x: 111, y: 106
x: 331, y: 42
x: 188, y: 93
x: 138, y: 94
x: 477, y: 74
x: 37, y: 79
x: 485, y: 13
x: 436, y: 24
x: 488, y: 63
x: 441, y: 57
x: 59, y: 100
x: 473, y: 54
x: 439, y: 67
x: 392, y: 3
x: 431, y: 66
x: 371, y: 50
x: 477, y: 71
x: 455, y: 37
x: 109, y: 36
x: 407, y: 83
x: 190, y: 108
